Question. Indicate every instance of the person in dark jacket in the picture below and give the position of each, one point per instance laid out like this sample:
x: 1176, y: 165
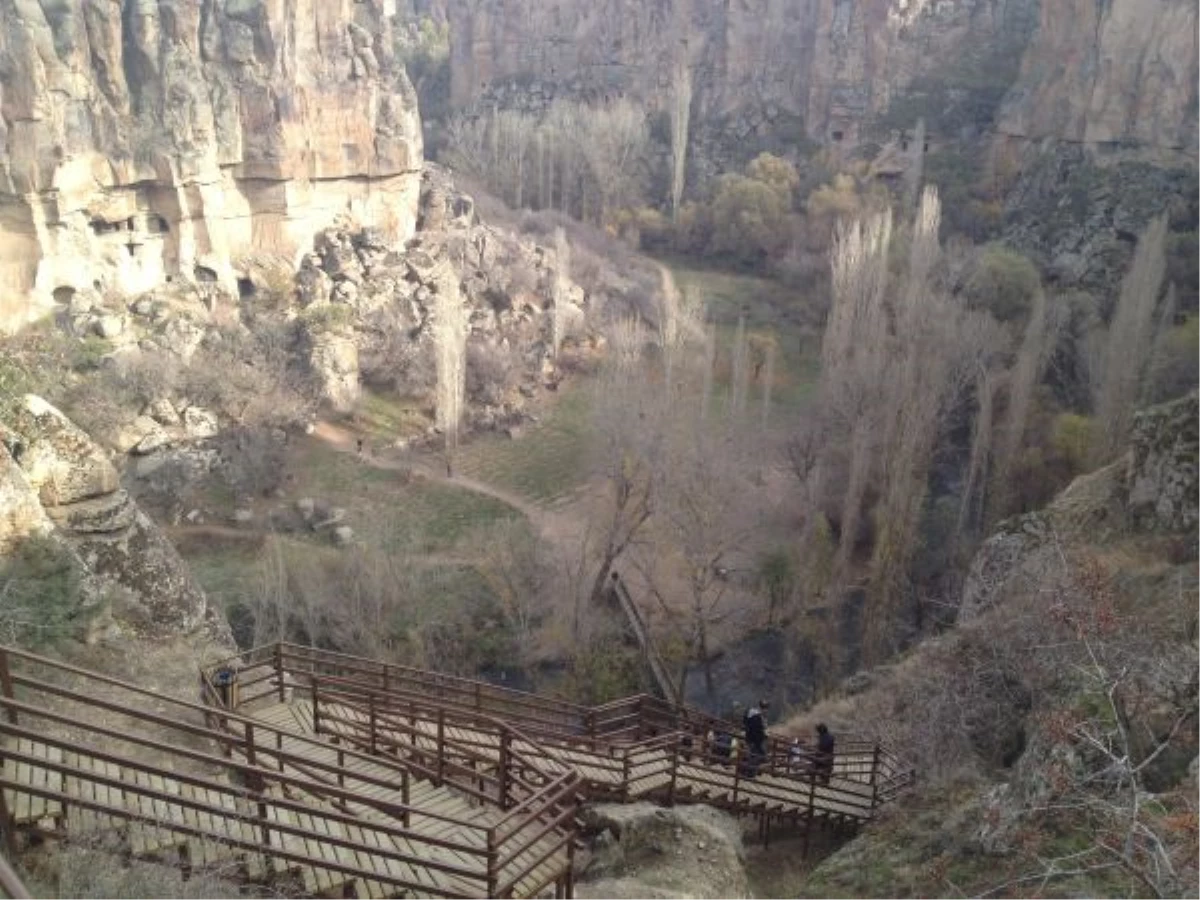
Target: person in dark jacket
x: 755, y: 723
x: 824, y: 760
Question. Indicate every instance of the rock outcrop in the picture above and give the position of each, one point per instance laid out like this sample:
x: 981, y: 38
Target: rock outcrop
x: 642, y: 850
x: 55, y: 481
x: 1152, y: 489
x: 1163, y: 476
x: 145, y: 140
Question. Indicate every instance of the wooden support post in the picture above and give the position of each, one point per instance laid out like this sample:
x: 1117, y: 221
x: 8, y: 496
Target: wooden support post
x: 6, y: 684
x: 875, y: 777
x: 404, y: 796
x: 737, y: 777
x: 316, y: 702
x: 478, y: 698
x: 386, y: 680
x: 570, y: 885
x: 441, y: 745
x: 674, y: 774
x: 493, y: 858
x: 279, y: 672
x: 625, y: 778
x: 505, y: 740
x: 373, y: 723
x: 812, y: 790
x: 7, y: 820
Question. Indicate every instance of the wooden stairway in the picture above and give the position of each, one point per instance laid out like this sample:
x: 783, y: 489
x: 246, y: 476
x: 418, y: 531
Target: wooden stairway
x: 241, y: 797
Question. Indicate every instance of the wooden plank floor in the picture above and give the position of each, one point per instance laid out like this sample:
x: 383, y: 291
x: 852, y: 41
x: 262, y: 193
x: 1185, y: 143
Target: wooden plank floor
x: 779, y: 793
x: 153, y: 827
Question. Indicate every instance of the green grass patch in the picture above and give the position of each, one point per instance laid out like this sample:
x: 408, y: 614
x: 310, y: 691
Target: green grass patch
x: 387, y: 417
x: 546, y: 460
x: 389, y: 507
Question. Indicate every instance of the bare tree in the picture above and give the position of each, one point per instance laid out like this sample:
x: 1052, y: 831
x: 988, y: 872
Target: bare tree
x: 1130, y: 338
x: 562, y: 276
x: 681, y: 100
x: 854, y: 363
x: 450, y: 339
x: 1027, y: 371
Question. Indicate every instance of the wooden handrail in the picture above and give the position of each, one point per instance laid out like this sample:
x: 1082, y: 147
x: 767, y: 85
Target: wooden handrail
x: 10, y: 882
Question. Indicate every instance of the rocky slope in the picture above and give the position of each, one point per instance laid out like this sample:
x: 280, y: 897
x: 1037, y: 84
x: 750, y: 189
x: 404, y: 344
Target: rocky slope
x: 1120, y: 73
x: 146, y: 140
x: 1054, y: 728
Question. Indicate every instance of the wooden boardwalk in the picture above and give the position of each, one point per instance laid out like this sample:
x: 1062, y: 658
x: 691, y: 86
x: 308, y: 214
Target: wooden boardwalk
x: 325, y: 775
x: 254, y: 802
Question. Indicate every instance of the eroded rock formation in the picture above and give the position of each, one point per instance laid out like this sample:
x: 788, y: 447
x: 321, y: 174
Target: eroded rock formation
x: 145, y: 140
x: 56, y: 482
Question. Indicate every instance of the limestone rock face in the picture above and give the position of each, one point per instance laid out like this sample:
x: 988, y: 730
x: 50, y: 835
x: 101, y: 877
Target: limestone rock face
x: 142, y: 140
x: 1118, y: 72
x: 55, y: 481
x: 1162, y: 475
x: 1099, y: 71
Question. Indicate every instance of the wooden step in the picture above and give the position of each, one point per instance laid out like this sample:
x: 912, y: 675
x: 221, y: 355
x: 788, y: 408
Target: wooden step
x: 26, y: 809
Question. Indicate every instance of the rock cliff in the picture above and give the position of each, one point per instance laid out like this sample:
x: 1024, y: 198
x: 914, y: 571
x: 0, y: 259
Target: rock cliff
x: 149, y: 140
x: 1112, y: 72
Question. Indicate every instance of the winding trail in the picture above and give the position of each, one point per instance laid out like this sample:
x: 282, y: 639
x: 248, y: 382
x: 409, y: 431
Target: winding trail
x: 551, y: 524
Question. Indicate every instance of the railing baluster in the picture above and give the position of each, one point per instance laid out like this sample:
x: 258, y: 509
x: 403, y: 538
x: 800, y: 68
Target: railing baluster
x: 279, y: 672
x: 6, y: 684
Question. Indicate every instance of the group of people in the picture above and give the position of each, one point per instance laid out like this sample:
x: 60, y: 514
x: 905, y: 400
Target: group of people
x: 754, y: 731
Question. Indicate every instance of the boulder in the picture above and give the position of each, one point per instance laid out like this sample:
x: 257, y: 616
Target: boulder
x: 343, y: 536
x: 200, y: 422
x: 646, y: 851
x: 163, y: 412
x: 60, y: 462
x: 154, y: 440
x: 122, y: 551
x: 108, y: 327
x: 128, y: 435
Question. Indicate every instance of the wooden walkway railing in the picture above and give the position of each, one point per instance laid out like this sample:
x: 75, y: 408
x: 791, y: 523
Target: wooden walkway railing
x: 214, y: 787
x: 641, y: 633
x: 636, y: 747
x: 268, y: 669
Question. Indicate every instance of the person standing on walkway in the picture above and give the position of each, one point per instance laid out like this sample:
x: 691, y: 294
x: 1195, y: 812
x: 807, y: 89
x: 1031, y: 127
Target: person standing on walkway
x: 824, y: 761
x: 755, y: 724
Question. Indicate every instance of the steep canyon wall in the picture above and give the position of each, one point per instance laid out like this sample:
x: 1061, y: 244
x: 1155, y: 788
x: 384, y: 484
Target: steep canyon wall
x: 1114, y: 72
x: 143, y: 140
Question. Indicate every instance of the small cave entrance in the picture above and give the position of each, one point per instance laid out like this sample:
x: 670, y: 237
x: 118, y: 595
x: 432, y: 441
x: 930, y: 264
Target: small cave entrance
x: 246, y: 288
x: 63, y: 294
x: 205, y: 275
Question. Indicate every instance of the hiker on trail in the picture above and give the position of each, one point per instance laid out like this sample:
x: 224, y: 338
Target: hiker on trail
x: 360, y: 445
x: 824, y: 761
x: 755, y: 723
